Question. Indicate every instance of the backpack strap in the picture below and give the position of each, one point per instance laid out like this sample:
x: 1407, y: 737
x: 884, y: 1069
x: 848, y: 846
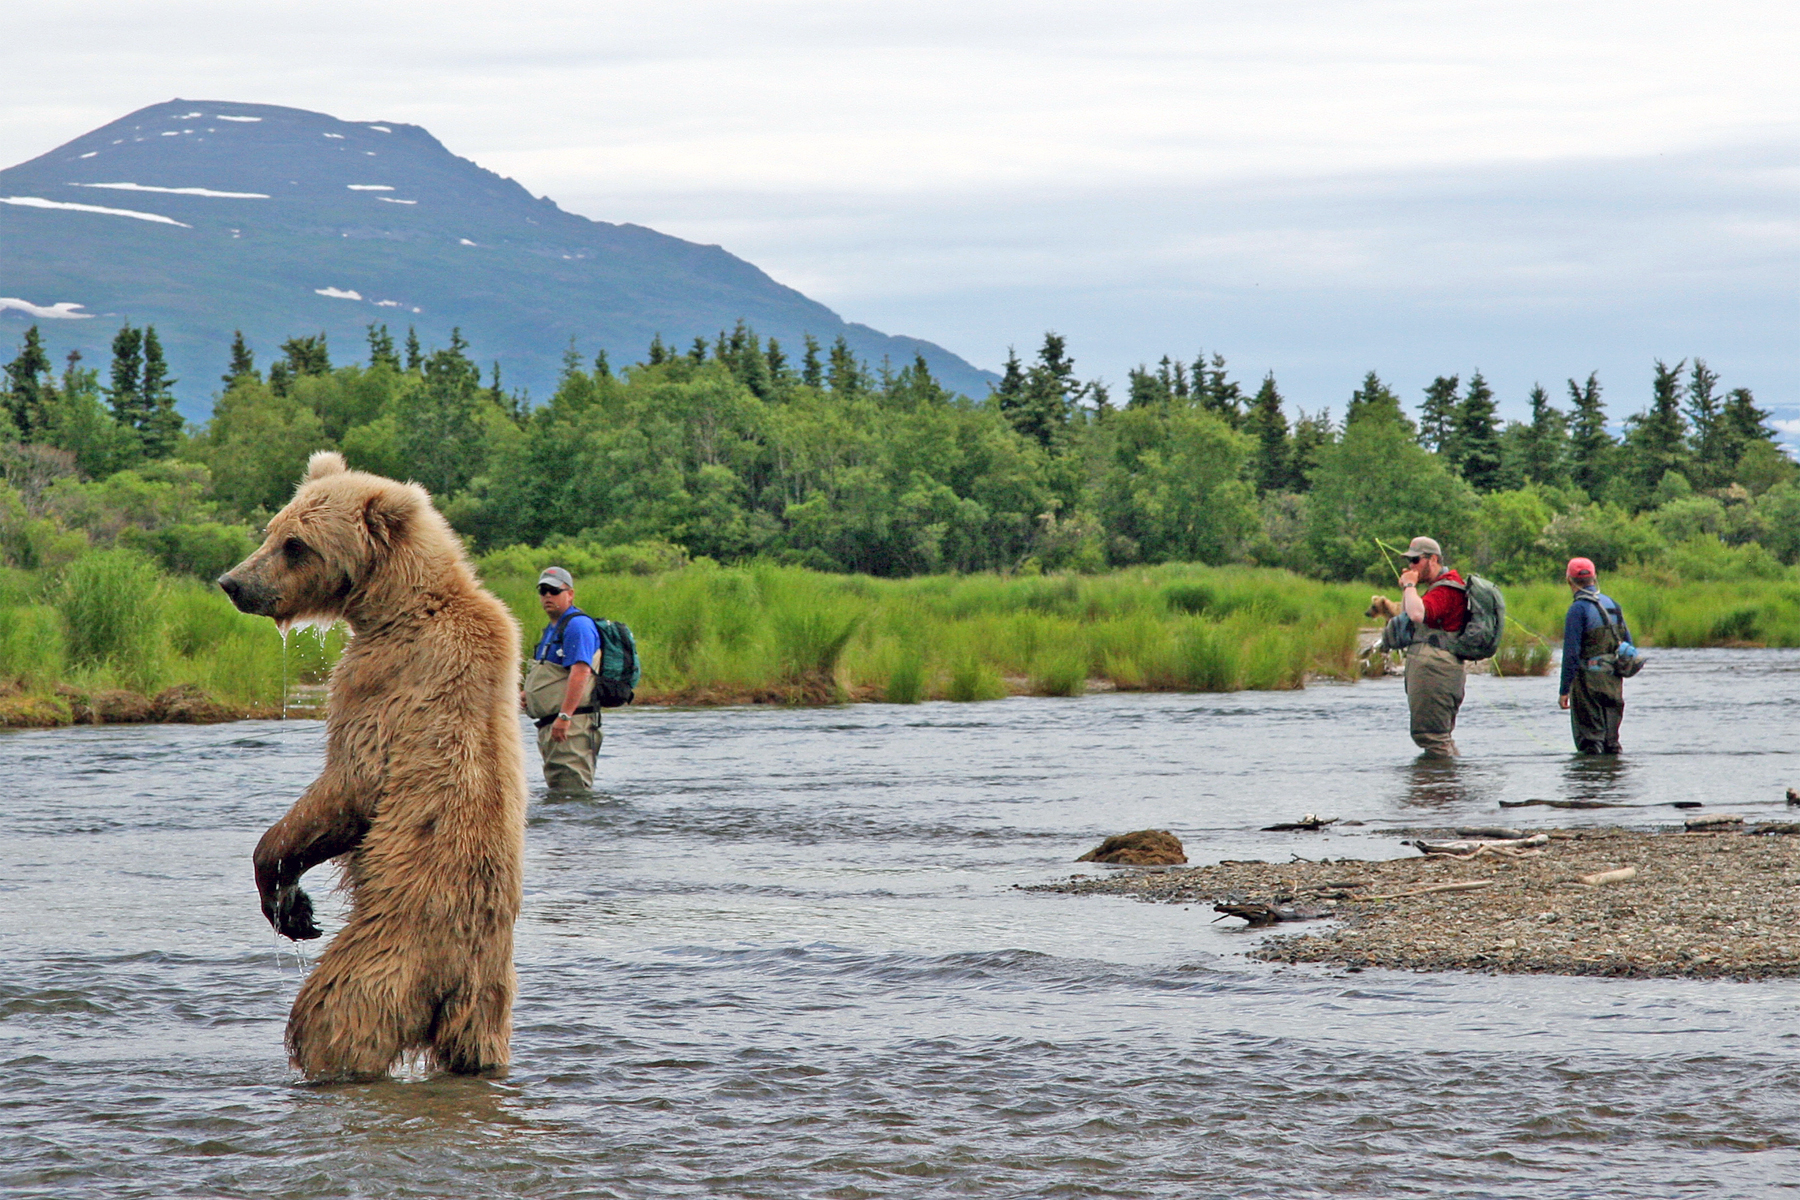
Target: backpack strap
x: 1593, y: 598
x: 556, y: 635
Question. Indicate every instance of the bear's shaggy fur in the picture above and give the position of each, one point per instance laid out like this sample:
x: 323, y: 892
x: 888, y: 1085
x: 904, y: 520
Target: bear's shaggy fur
x: 423, y: 789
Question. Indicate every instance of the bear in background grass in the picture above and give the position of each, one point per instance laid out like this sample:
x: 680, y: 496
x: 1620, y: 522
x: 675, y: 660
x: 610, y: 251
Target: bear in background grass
x: 423, y: 791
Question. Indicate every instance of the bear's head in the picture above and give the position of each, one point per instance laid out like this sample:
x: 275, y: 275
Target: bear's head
x: 344, y: 535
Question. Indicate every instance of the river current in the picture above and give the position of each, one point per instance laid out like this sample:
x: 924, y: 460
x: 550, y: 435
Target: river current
x: 780, y: 954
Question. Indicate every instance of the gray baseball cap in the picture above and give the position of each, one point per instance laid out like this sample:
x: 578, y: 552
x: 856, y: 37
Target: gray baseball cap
x: 557, y: 576
x: 1422, y: 546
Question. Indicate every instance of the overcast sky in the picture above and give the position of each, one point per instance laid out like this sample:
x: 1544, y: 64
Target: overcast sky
x: 1536, y: 190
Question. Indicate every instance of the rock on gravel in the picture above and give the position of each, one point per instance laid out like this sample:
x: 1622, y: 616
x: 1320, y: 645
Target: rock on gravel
x: 1712, y: 903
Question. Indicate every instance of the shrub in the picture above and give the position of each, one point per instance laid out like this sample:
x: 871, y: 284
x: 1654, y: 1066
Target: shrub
x: 31, y: 646
x: 113, y: 607
x: 906, y: 681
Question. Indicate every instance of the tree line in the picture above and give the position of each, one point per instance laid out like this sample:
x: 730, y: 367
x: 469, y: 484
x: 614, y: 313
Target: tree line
x: 730, y: 448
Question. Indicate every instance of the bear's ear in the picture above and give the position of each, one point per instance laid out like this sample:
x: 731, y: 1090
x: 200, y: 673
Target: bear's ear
x: 323, y: 463
x: 387, y: 514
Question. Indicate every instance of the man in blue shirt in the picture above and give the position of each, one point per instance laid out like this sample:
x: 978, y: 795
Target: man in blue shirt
x: 558, y: 691
x: 1592, y: 690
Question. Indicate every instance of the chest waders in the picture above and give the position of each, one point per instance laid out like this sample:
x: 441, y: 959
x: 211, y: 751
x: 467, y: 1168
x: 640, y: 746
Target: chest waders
x: 1597, y: 694
x: 569, y: 763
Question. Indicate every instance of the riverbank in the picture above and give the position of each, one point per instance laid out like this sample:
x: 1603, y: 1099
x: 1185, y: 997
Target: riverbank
x: 1700, y: 903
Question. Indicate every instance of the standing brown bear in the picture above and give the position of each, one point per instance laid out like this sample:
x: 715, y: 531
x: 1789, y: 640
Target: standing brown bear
x: 423, y: 789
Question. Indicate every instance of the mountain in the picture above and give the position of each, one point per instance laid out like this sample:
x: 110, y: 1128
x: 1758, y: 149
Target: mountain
x: 203, y: 217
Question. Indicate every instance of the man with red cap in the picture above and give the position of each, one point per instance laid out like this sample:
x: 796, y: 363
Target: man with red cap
x: 1592, y: 689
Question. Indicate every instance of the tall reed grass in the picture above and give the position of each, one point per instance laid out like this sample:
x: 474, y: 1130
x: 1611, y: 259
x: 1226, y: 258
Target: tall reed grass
x: 709, y: 632
x: 719, y: 634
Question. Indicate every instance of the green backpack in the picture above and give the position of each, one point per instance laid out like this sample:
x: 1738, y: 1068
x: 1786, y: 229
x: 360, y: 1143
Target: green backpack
x: 1484, y: 622
x: 616, y: 666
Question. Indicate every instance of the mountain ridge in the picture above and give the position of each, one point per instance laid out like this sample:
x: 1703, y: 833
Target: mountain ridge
x: 203, y: 217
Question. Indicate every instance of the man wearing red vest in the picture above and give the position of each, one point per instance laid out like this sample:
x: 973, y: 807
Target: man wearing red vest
x: 1434, y: 675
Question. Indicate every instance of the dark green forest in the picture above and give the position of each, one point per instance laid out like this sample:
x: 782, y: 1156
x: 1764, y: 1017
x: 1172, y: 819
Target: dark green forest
x: 737, y: 448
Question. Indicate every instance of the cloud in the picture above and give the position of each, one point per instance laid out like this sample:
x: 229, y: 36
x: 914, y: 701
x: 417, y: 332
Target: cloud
x: 1320, y: 187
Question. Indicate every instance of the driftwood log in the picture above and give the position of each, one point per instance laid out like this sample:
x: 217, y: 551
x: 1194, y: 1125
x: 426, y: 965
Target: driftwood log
x: 1258, y: 913
x: 1616, y: 875
x: 1309, y: 823
x: 1507, y: 848
x: 1583, y: 804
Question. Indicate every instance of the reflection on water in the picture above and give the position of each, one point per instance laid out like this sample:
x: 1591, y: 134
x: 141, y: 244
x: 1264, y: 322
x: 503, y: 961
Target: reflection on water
x: 1600, y: 778
x: 780, y: 956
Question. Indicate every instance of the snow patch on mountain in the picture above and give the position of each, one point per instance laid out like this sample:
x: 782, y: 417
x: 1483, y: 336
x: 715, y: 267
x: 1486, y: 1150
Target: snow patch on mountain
x: 381, y: 129
x: 223, y: 117
x: 40, y: 202
x: 89, y: 154
x: 338, y: 136
x: 62, y: 311
x: 187, y: 191
x: 368, y: 187
x: 338, y: 293
x: 391, y: 200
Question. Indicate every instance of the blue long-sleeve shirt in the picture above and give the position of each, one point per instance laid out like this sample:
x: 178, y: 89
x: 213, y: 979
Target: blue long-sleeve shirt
x: 1582, y: 617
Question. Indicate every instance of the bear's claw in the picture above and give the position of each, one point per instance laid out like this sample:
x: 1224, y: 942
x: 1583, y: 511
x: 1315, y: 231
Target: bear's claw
x: 292, y: 915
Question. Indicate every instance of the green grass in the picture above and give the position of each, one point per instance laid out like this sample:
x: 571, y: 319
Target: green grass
x: 711, y: 634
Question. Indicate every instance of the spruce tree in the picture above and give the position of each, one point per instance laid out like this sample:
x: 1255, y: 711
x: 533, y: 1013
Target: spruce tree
x: 1708, y: 443
x: 697, y: 352
x: 1591, y: 447
x: 126, y: 394
x: 1271, y: 464
x: 1311, y: 435
x: 1175, y: 379
x: 1009, y: 394
x: 415, y: 359
x: 243, y: 360
x: 845, y: 374
x: 307, y: 355
x: 1477, y: 436
x: 602, y: 368
x: 1217, y: 393
x: 1545, y: 441
x: 1048, y: 396
x: 1743, y: 424
x: 659, y: 352
x: 1145, y: 388
x: 1657, y: 437
x: 1437, y: 415
x: 160, y: 428
x: 1374, y: 399
x: 779, y: 374
x: 812, y: 373
x: 26, y: 393
x: 381, y: 347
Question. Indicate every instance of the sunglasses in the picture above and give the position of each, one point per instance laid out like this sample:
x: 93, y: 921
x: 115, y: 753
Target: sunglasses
x: 545, y: 589
x: 1412, y: 559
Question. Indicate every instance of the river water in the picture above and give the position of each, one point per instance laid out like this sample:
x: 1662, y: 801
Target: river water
x: 781, y: 955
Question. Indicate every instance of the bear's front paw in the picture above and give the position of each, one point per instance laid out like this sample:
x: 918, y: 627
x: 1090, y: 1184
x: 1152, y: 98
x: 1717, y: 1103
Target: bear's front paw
x: 292, y: 915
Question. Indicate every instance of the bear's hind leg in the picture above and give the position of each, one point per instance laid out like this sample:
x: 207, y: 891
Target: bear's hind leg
x: 358, y: 1012
x: 472, y: 1034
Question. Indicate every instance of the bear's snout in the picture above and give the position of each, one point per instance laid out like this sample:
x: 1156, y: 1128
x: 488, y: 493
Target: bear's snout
x: 246, y: 596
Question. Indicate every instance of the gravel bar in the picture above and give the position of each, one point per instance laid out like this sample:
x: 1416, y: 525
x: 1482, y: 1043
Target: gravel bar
x: 1701, y: 904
